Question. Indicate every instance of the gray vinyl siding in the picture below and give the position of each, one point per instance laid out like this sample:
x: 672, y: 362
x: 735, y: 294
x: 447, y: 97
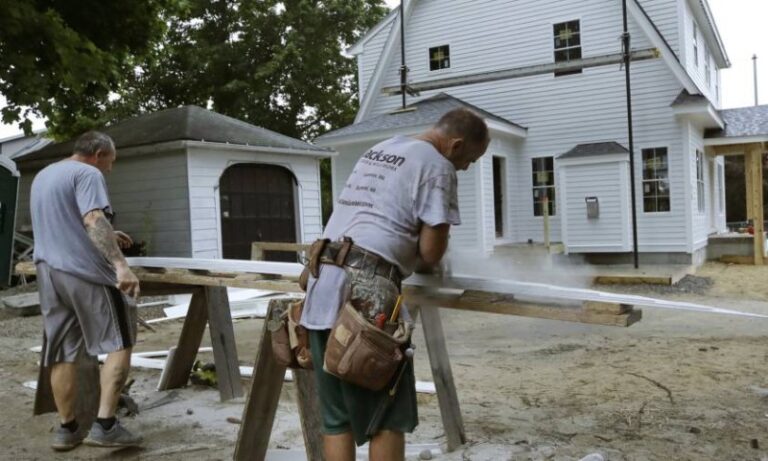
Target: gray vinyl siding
x: 368, y: 60
x: 609, y: 182
x: 698, y: 73
x: 701, y: 221
x: 149, y: 196
x: 205, y: 169
x: 559, y: 112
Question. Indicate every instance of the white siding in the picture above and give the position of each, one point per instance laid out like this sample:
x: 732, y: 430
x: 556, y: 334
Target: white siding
x: 149, y: 196
x: 665, y: 14
x: 700, y: 220
x: 698, y: 73
x: 607, y: 181
x: 558, y: 112
x: 205, y: 169
x: 368, y: 60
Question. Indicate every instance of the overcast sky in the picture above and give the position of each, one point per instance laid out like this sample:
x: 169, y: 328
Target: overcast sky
x: 741, y: 24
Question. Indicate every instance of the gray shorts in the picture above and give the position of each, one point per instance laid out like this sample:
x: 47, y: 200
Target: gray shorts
x: 75, y: 310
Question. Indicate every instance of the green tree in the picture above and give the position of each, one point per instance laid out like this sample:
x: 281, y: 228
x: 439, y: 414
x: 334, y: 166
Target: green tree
x: 276, y: 64
x: 61, y: 59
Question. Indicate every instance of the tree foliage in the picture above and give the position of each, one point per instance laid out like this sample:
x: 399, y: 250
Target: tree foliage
x: 60, y: 59
x: 276, y: 64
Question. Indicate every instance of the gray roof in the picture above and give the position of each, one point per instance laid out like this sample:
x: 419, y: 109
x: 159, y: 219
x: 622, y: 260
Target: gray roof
x: 687, y: 98
x: 425, y: 112
x: 594, y: 150
x: 191, y: 123
x: 746, y: 121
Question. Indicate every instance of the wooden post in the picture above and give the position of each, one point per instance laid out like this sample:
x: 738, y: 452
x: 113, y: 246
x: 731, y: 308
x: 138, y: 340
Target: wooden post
x: 309, y: 412
x: 257, y: 253
x: 189, y: 342
x: 261, y: 406
x: 443, y: 377
x: 223, y: 343
x: 754, y: 171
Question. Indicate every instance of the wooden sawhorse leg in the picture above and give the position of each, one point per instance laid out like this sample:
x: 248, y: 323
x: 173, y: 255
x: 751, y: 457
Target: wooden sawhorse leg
x: 208, y: 305
x: 443, y: 377
x: 261, y: 406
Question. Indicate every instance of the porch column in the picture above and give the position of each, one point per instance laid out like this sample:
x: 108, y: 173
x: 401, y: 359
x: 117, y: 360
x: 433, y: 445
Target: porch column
x: 753, y: 163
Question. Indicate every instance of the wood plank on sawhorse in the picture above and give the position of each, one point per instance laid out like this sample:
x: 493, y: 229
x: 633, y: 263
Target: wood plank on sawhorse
x: 264, y: 395
x: 208, y: 305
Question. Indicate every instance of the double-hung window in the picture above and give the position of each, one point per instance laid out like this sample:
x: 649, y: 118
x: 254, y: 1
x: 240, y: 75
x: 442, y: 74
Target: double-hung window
x: 655, y: 180
x: 543, y: 185
x: 439, y: 57
x: 567, y: 44
x: 695, y: 45
x: 708, y: 67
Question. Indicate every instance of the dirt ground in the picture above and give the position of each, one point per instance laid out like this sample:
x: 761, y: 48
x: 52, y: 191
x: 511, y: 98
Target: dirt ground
x: 676, y: 386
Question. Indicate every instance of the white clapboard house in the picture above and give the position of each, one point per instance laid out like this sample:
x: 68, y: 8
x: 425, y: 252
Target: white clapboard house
x: 546, y: 75
x: 193, y: 183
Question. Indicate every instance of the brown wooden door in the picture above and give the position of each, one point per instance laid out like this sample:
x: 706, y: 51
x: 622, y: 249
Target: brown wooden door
x: 257, y: 205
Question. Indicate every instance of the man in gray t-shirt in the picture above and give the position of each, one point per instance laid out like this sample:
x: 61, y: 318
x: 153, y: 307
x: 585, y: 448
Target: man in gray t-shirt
x: 87, y: 291
x: 397, y: 208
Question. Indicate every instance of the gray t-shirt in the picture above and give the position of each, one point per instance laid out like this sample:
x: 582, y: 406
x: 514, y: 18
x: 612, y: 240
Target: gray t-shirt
x: 62, y: 193
x: 395, y: 187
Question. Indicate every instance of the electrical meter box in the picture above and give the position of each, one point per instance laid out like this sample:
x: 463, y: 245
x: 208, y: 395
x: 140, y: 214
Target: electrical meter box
x: 593, y: 207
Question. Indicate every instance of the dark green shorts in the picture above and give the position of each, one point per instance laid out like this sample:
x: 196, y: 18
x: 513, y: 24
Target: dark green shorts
x: 345, y: 407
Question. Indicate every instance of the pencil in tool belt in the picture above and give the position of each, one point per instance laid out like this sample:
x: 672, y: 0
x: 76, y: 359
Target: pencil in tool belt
x: 396, y: 310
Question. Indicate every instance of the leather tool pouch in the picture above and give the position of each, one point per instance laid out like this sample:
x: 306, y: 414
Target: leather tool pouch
x: 360, y: 353
x: 290, y: 341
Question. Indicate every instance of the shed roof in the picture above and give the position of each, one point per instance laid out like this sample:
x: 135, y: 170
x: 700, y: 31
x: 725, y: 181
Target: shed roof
x: 425, y: 112
x: 594, y: 150
x: 742, y: 122
x: 190, y: 123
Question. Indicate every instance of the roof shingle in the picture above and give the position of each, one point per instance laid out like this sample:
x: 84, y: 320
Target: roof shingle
x: 742, y: 122
x: 594, y: 150
x: 190, y: 123
x: 425, y: 112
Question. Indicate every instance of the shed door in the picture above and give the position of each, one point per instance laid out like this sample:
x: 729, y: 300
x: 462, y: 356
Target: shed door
x: 257, y: 205
x: 8, y: 189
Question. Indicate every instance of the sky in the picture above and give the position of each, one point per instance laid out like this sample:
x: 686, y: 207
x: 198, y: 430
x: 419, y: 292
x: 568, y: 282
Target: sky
x: 741, y: 24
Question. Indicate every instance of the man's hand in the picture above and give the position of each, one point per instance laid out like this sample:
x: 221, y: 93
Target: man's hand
x: 127, y: 282
x: 123, y: 240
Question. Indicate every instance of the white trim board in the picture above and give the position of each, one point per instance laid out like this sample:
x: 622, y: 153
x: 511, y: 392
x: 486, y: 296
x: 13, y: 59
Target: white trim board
x: 220, y: 265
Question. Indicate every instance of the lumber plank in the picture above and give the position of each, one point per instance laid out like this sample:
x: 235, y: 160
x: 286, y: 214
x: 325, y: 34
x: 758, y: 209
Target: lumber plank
x: 189, y: 342
x: 440, y: 364
x: 606, y: 308
x: 737, y: 259
x: 500, y: 303
x: 261, y: 405
x: 632, y: 280
x: 223, y: 343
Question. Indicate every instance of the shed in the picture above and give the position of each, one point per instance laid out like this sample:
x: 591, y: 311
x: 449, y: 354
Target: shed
x: 194, y: 183
x: 594, y: 193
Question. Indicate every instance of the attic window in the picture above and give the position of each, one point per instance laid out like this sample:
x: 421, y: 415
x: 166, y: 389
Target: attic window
x: 567, y: 44
x: 439, y: 57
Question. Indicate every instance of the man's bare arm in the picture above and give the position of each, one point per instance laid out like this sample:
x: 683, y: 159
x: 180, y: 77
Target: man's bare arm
x: 103, y: 237
x: 433, y: 241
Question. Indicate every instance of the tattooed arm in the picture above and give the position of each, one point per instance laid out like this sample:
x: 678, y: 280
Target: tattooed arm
x: 103, y: 236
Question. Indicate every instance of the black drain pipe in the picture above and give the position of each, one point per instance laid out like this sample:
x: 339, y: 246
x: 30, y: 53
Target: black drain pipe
x: 627, y: 59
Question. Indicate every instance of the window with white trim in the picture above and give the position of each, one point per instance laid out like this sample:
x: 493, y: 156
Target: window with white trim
x: 543, y: 185
x: 567, y: 44
x: 700, y: 198
x: 707, y: 66
x: 695, y: 44
x: 655, y: 180
x: 439, y: 57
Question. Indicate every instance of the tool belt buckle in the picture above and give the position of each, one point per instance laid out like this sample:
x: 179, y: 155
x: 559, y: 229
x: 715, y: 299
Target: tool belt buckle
x: 370, y: 262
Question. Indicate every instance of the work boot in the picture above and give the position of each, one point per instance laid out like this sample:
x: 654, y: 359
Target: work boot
x: 65, y: 440
x: 117, y: 436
